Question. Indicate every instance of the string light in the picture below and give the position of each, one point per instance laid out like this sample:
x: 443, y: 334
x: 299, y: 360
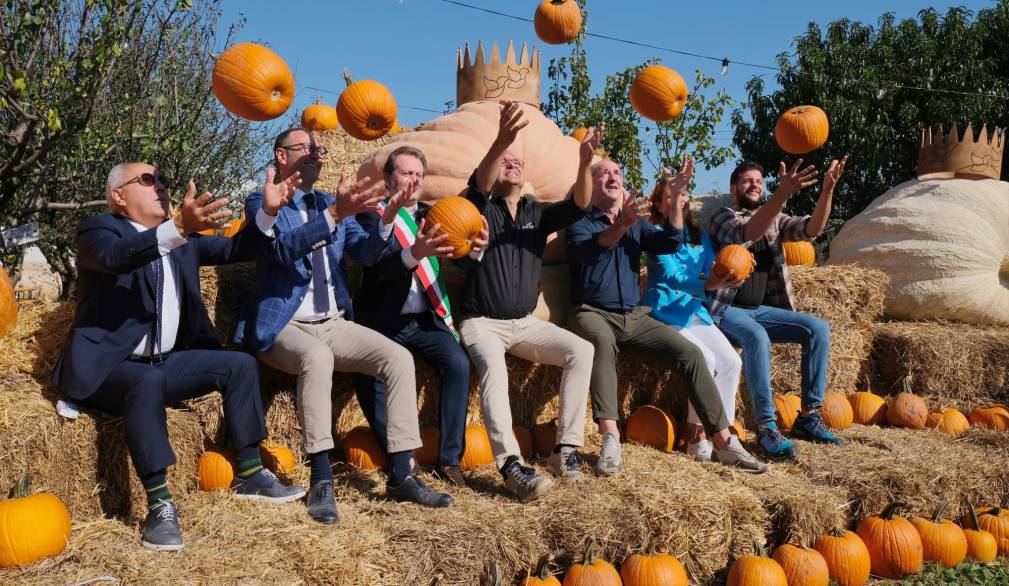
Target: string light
x: 725, y: 66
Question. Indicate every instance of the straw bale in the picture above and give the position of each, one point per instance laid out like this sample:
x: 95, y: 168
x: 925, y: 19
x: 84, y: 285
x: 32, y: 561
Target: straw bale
x: 952, y: 364
x: 345, y: 155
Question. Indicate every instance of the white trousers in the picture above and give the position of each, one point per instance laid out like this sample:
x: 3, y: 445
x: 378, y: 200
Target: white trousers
x: 723, y: 363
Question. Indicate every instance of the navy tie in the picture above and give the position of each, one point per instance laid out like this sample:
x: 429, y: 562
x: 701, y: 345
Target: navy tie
x: 159, y: 293
x: 320, y: 291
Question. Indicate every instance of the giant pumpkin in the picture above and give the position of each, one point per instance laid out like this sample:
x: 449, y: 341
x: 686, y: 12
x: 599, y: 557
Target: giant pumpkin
x: 32, y: 526
x: 802, y: 129
x: 253, y: 82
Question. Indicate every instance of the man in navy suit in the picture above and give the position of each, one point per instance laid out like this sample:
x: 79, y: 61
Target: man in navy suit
x: 298, y: 319
x: 396, y: 282
x: 141, y: 338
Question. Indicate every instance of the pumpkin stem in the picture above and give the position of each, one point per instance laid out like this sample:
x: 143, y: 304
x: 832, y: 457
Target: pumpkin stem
x: 837, y: 532
x: 590, y: 552
x: 937, y: 516
x: 905, y: 384
x: 759, y: 548
x: 543, y: 567
x: 346, y: 77
x: 492, y: 575
x: 20, y: 490
x: 888, y: 512
x: 973, y: 513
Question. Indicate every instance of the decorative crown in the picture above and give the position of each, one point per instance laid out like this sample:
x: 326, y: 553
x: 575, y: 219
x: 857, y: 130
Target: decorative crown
x: 951, y: 156
x: 478, y: 79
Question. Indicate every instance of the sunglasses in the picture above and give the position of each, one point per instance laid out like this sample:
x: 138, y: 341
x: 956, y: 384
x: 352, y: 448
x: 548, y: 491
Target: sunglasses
x: 147, y: 180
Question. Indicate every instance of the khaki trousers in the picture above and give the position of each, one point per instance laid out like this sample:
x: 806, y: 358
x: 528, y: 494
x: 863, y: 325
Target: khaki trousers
x: 535, y: 340
x: 314, y: 351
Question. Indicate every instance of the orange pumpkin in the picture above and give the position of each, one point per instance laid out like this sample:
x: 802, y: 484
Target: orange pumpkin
x: 477, y: 451
x: 788, y: 407
x: 895, y: 549
x: 949, y: 421
x: 802, y: 129
x: 366, y: 109
x: 557, y: 21
x: 319, y: 117
x: 542, y: 576
x: 592, y: 571
x: 906, y: 409
x: 427, y: 453
x: 253, y: 82
x: 460, y: 219
x: 993, y: 417
x: 738, y: 430
x: 32, y: 526
x: 544, y: 438
x: 836, y: 411
x: 650, y: 567
x: 846, y: 556
x: 235, y: 226
x: 756, y: 570
x: 734, y: 259
x: 942, y: 540
x: 996, y: 522
x: 279, y: 459
x: 802, y: 565
x: 867, y: 408
x: 799, y: 253
x: 524, y: 437
x: 651, y: 426
x: 579, y: 133
x: 8, y: 305
x: 658, y: 93
x: 215, y: 470
x: 362, y: 449
x: 981, y: 545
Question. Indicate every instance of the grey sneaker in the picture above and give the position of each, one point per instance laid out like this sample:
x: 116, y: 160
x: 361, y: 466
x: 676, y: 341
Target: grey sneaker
x: 610, y: 461
x: 700, y: 450
x: 524, y: 482
x: 566, y: 464
x: 264, y: 486
x: 322, y: 503
x: 736, y: 456
x: 161, y: 528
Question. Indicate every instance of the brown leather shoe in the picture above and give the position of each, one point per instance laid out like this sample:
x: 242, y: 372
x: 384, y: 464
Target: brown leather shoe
x: 451, y: 474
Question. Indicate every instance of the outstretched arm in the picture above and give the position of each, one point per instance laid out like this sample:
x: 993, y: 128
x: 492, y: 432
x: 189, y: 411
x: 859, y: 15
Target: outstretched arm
x: 818, y: 221
x: 791, y: 180
x: 583, y: 182
x: 509, y: 126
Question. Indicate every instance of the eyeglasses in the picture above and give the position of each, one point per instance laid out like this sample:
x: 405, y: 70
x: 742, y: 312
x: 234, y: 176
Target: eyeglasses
x: 308, y: 148
x: 147, y: 180
x: 410, y: 174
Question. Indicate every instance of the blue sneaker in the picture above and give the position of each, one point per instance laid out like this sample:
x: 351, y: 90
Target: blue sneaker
x: 264, y: 486
x: 161, y: 528
x: 811, y: 427
x: 774, y: 445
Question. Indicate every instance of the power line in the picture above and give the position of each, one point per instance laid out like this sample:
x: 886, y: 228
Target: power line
x: 335, y: 93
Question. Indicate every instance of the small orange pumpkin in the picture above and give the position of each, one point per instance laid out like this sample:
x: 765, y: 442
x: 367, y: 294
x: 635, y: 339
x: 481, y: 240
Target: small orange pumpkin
x: 738, y: 430
x: 905, y: 409
x: 802, y: 129
x: 651, y: 426
x: 941, y: 540
x: 253, y: 82
x: 981, y: 545
x: 799, y: 253
x: 477, y: 451
x: 836, y: 411
x: 427, y: 453
x: 579, y: 133
x: 993, y: 417
x: 215, y: 470
x: 895, y: 549
x: 592, y: 571
x: 8, y: 305
x: 544, y: 438
x: 279, y: 459
x: 524, y: 437
x: 32, y: 526
x: 756, y: 570
x: 658, y: 93
x: 362, y: 449
x: 460, y: 219
x: 734, y: 259
x: 557, y: 21
x: 802, y: 565
x: 366, y: 109
x: 949, y: 421
x: 650, y: 567
x: 867, y: 408
x: 846, y: 556
x: 319, y: 117
x: 542, y: 576
x: 234, y: 227
x: 996, y: 522
x: 788, y: 406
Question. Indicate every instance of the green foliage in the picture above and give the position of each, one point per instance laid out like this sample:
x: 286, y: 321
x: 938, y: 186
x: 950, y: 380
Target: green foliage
x: 842, y: 68
x: 967, y: 573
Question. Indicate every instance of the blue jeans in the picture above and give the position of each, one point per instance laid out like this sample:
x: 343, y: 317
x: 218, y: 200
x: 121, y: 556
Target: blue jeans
x: 754, y: 330
x: 440, y: 350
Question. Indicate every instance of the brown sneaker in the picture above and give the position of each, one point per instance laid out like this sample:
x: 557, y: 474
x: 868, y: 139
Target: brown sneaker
x: 450, y: 474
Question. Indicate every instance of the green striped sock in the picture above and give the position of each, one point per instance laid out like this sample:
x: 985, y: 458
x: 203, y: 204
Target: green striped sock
x: 157, y: 494
x: 247, y: 468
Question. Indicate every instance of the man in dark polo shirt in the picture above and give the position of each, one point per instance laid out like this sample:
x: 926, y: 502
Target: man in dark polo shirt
x: 499, y: 297
x: 604, y: 252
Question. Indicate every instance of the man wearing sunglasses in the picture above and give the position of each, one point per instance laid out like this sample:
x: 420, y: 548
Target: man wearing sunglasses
x: 141, y: 337
x: 298, y: 318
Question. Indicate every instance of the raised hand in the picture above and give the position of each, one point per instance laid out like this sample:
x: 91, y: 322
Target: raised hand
x: 200, y: 213
x: 480, y: 242
x: 400, y: 199
x: 431, y: 241
x: 355, y: 199
x: 792, y: 180
x: 676, y: 185
x: 634, y: 208
x: 276, y: 195
x: 591, y: 142
x: 833, y: 174
x: 510, y: 123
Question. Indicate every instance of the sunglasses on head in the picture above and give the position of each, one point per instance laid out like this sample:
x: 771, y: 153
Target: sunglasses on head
x: 147, y: 180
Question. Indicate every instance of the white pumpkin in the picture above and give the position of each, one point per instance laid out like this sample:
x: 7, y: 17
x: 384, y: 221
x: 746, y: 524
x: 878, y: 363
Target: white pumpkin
x: 944, y: 244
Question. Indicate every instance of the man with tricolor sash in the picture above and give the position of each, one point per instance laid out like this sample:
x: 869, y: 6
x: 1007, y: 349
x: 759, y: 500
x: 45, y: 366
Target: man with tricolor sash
x: 403, y: 296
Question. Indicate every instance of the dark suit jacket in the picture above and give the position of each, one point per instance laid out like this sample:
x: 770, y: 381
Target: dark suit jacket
x: 115, y: 296
x: 386, y: 284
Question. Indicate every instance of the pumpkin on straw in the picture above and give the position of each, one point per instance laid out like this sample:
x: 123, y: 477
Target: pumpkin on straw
x: 802, y: 565
x: 942, y: 540
x: 32, y: 526
x: 756, y: 570
x: 895, y: 549
x: 593, y: 571
x: 846, y: 556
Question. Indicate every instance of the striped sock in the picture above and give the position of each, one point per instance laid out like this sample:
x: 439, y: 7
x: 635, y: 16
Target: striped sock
x: 156, y: 487
x: 249, y: 461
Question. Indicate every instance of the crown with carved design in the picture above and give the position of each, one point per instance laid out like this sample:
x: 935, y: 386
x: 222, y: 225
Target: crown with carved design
x: 951, y: 156
x: 478, y: 78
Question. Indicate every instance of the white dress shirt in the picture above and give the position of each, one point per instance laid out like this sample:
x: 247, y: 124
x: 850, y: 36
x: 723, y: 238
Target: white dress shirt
x: 306, y: 311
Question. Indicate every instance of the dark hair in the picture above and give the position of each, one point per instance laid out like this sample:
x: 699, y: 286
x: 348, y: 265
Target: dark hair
x: 693, y: 230
x: 390, y: 161
x: 279, y: 141
x: 743, y: 167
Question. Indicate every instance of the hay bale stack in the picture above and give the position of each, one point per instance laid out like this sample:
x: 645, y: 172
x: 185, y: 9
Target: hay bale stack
x: 952, y: 364
x: 345, y: 155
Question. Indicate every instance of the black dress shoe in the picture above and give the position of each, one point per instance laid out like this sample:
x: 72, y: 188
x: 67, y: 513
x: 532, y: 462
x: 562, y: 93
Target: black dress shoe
x: 413, y: 490
x: 451, y: 474
x: 161, y: 528
x: 322, y: 503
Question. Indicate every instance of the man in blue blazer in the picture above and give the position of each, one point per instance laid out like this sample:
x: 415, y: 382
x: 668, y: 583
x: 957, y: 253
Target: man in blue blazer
x: 298, y: 319
x: 141, y: 338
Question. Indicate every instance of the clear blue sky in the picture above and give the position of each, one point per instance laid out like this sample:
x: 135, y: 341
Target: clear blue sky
x: 410, y: 45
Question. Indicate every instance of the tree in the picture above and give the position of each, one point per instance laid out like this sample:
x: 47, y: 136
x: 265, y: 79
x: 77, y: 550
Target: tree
x: 864, y: 78
x: 86, y: 84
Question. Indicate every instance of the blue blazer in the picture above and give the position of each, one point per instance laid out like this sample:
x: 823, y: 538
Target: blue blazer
x: 115, y: 296
x: 283, y: 268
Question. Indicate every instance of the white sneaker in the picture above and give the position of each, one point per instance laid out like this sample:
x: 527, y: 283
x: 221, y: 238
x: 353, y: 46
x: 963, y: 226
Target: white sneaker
x: 610, y: 461
x: 735, y: 456
x: 700, y: 450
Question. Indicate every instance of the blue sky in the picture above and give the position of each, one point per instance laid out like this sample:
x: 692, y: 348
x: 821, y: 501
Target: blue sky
x: 410, y: 45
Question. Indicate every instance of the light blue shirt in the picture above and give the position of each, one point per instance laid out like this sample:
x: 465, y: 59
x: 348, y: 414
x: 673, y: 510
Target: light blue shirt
x: 676, y: 283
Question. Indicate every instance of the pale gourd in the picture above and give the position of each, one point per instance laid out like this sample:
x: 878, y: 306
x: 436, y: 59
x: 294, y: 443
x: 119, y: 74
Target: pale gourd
x: 944, y: 243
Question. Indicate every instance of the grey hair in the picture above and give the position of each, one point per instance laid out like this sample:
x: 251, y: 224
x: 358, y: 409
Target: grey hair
x: 117, y: 176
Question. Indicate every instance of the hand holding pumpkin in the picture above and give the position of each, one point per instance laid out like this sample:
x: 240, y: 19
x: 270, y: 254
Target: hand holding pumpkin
x: 510, y: 124
x: 355, y: 199
x: 276, y: 195
x: 200, y: 213
x: 431, y: 241
x: 793, y: 179
x: 481, y: 240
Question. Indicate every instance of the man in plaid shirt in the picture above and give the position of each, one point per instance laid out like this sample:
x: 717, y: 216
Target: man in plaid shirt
x: 761, y: 311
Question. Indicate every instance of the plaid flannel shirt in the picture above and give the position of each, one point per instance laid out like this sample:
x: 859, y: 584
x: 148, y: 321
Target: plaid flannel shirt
x: 727, y: 227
